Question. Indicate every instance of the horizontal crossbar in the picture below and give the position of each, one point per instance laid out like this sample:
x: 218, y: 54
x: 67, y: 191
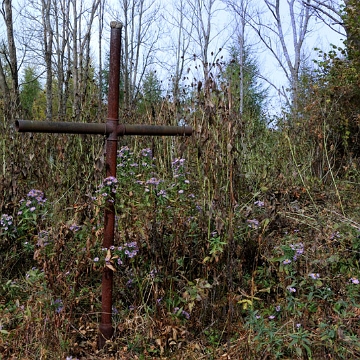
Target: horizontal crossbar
x: 100, y: 129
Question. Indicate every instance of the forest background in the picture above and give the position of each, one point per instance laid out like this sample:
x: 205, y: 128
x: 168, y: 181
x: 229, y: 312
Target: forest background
x: 241, y: 241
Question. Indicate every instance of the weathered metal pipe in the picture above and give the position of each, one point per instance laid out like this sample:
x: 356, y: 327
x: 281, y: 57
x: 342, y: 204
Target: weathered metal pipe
x: 106, y: 328
x: 100, y: 129
x: 59, y: 127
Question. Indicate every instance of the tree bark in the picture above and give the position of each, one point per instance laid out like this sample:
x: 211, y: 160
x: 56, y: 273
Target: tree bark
x: 10, y: 88
x: 48, y: 48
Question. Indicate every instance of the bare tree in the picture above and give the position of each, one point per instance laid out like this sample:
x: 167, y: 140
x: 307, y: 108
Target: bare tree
x: 287, y: 50
x: 241, y: 10
x: 8, y: 60
x: 202, y: 15
x: 81, y: 50
x: 343, y: 18
x: 141, y: 32
x: 179, y: 43
x: 48, y: 49
x: 62, y: 53
x: 329, y: 12
x: 100, y: 42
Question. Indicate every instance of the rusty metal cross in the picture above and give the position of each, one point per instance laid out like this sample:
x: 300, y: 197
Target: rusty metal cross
x: 112, y: 129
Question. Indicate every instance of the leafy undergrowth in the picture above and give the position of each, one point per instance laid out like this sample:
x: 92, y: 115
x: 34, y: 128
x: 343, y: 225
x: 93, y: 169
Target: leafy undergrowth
x: 275, y: 277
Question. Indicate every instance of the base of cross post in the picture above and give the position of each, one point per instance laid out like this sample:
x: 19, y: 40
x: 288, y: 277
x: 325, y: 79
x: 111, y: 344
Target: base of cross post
x: 106, y: 333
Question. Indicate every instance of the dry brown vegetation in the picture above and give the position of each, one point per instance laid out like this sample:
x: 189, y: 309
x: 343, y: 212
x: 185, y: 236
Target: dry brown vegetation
x: 253, y: 253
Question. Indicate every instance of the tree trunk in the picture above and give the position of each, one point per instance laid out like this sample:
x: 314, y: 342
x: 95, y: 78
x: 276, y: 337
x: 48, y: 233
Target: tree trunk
x: 48, y: 47
x: 10, y: 89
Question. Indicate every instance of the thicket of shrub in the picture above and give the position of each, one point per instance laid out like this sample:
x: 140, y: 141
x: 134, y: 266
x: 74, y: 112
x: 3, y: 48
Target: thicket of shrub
x: 241, y: 239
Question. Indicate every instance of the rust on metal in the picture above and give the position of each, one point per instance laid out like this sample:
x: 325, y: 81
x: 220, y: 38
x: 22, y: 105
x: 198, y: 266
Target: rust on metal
x: 112, y: 129
x: 100, y: 129
x: 106, y: 329
x: 59, y: 127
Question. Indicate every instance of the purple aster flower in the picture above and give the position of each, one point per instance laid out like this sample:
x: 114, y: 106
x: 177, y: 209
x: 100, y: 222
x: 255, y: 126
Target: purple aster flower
x: 114, y: 310
x: 254, y: 223
x: 131, y: 244
x: 146, y: 152
x: 259, y: 203
x: 185, y: 314
x: 153, y: 181
x: 74, y: 227
x: 161, y: 193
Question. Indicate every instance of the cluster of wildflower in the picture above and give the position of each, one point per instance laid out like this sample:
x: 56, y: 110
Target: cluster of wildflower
x: 335, y: 235
x: 253, y: 223
x: 153, y: 181
x: 108, y: 187
x: 124, y: 155
x: 162, y: 193
x: 354, y: 280
x: 298, y: 248
x: 272, y: 317
x: 178, y: 166
x: 291, y: 289
x: 314, y: 276
x: 181, y: 312
x: 116, y: 255
x: 74, y: 227
x: 259, y: 203
x: 127, y: 159
x: 179, y: 173
x: 6, y: 222
x: 38, y: 195
x: 146, y: 153
x: 34, y: 198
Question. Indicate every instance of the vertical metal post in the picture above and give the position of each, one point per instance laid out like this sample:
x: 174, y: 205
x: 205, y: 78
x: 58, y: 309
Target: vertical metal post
x: 106, y: 329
